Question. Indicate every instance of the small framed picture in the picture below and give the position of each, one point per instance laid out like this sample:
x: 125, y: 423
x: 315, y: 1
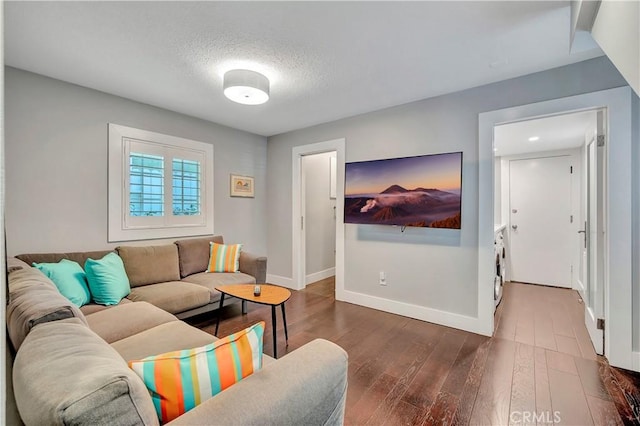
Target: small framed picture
x: 242, y: 186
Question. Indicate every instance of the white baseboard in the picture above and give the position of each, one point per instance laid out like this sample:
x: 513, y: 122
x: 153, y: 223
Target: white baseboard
x: 278, y: 280
x: 423, y: 313
x: 635, y: 361
x: 321, y: 275
x: 580, y: 288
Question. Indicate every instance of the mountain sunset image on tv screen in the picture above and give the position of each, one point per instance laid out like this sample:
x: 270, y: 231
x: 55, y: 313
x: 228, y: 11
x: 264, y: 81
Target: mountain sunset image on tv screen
x: 422, y: 191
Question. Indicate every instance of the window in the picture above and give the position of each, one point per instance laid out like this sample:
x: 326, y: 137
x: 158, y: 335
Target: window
x: 160, y: 186
x: 186, y: 187
x: 146, y: 185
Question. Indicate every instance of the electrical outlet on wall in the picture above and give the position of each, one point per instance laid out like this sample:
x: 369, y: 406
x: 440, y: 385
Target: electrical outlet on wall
x: 383, y: 278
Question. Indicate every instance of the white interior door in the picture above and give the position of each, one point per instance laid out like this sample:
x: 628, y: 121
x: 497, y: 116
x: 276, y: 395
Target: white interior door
x: 540, y: 221
x: 594, y: 239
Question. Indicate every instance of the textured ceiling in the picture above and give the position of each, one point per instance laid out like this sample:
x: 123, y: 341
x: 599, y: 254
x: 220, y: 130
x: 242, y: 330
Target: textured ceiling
x: 557, y: 132
x: 325, y: 60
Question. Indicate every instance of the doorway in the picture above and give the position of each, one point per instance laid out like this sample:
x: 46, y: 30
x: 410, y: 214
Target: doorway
x: 547, y: 180
x: 318, y: 219
x: 298, y: 261
x: 618, y: 243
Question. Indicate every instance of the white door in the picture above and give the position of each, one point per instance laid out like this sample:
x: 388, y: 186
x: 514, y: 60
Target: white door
x: 540, y: 221
x: 593, y: 233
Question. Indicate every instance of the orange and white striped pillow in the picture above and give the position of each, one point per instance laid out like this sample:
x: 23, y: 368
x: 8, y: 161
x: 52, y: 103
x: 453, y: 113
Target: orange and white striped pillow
x: 224, y: 257
x: 179, y: 381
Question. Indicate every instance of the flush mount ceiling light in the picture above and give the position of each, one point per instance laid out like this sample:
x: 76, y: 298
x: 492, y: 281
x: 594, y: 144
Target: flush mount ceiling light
x: 246, y: 87
x: 534, y: 138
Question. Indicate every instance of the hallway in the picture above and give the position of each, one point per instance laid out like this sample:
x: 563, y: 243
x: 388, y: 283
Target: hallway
x: 555, y: 362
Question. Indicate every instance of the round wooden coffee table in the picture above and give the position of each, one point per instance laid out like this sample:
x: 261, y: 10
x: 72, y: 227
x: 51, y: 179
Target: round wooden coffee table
x: 271, y: 295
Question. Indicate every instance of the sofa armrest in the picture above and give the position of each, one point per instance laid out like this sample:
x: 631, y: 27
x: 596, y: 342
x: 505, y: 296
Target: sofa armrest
x: 306, y: 387
x: 254, y: 266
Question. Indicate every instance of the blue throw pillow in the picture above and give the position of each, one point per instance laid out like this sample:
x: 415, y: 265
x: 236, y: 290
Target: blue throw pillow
x: 108, y: 281
x: 69, y: 278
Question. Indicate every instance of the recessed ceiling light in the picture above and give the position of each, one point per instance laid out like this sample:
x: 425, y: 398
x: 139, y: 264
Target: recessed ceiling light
x: 534, y: 138
x: 495, y: 149
x: 246, y: 87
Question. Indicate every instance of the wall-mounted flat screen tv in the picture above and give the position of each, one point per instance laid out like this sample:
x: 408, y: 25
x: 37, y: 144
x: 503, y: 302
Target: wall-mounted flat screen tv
x: 422, y: 191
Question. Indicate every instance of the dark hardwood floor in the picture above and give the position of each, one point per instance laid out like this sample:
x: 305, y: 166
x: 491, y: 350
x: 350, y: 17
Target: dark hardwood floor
x: 539, y: 368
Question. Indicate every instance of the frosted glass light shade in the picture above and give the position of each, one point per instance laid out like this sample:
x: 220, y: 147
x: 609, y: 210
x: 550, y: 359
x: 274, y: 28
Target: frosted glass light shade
x: 246, y: 87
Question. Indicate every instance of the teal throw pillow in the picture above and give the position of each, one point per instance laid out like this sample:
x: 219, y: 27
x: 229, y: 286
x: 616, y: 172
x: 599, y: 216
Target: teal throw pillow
x: 69, y: 278
x: 108, y: 281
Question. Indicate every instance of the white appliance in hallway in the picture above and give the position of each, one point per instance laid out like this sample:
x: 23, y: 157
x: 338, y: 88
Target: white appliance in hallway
x: 500, y: 259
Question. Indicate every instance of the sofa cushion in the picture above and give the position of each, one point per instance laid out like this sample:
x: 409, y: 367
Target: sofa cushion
x: 178, y: 381
x: 78, y: 257
x: 172, y: 296
x: 34, y: 299
x: 69, y: 278
x: 211, y: 281
x: 167, y: 337
x: 15, y: 264
x: 150, y: 264
x: 65, y: 374
x: 224, y: 257
x: 92, y: 308
x: 195, y: 253
x: 107, y: 279
x: 138, y: 317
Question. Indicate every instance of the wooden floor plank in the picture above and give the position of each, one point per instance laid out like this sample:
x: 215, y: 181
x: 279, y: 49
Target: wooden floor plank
x: 442, y: 411
x: 405, y: 414
x: 568, y: 345
x: 371, y: 399
x: 462, y: 366
x: 591, y: 373
x: 523, y: 389
x: 568, y: 399
x: 525, y: 328
x: 494, y: 395
x: 543, y: 394
x: 427, y: 383
x: 561, y: 320
x: 624, y: 388
x: 603, y: 412
x: 561, y: 362
x: 544, y: 336
x: 472, y: 384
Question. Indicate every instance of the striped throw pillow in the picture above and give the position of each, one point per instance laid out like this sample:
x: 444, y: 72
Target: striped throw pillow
x: 178, y: 381
x: 224, y: 257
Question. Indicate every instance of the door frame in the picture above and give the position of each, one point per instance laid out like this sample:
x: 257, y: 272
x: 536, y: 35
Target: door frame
x: 298, y: 239
x: 618, y: 210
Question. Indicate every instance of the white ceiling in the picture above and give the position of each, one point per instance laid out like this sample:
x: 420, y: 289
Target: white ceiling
x: 325, y: 60
x: 557, y: 132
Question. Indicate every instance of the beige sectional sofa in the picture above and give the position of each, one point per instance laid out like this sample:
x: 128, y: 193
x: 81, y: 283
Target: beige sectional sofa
x: 71, y: 364
x: 170, y: 276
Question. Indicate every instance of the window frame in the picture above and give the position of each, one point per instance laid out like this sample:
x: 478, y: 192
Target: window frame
x: 124, y: 227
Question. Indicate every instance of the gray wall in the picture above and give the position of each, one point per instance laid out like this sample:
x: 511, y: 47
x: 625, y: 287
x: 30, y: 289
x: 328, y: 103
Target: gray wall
x: 320, y: 237
x: 425, y: 267
x: 56, y: 165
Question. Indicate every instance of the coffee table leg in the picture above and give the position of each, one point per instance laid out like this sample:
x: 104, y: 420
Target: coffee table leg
x: 219, y: 313
x: 273, y: 326
x: 284, y: 319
